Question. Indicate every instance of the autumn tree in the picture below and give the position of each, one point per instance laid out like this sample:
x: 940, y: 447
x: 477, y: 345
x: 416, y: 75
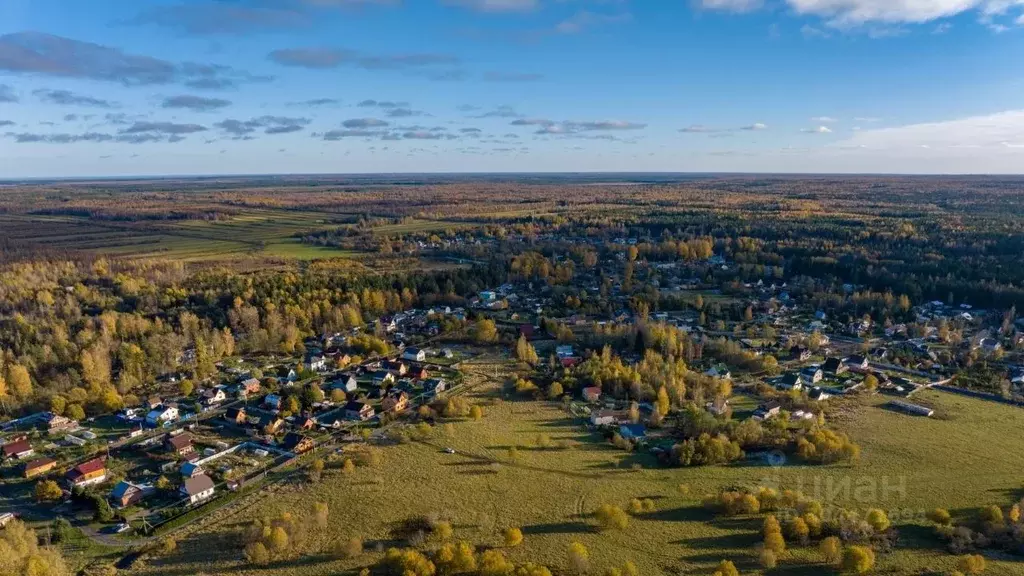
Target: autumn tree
x: 972, y: 564
x: 525, y: 351
x: 831, y: 550
x: 48, y: 491
x: 513, y: 537
x: 858, y: 559
x: 579, y: 557
x: 485, y: 331
x: 726, y: 568
x: 610, y: 517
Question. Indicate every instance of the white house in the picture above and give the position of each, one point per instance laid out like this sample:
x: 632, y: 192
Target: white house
x: 414, y: 354
x: 346, y: 383
x: 604, y: 418
x: 316, y: 363
x: 197, y: 488
x: 719, y: 371
x: 214, y: 396
x: 811, y: 375
x: 162, y: 414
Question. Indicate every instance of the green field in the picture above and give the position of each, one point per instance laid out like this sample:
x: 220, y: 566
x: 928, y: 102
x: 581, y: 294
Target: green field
x: 909, y: 464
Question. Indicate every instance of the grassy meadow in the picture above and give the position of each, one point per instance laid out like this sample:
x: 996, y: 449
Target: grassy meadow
x: 909, y: 465
x: 255, y: 231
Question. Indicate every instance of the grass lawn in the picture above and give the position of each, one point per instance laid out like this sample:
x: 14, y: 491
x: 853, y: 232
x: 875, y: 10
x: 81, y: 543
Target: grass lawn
x: 909, y: 463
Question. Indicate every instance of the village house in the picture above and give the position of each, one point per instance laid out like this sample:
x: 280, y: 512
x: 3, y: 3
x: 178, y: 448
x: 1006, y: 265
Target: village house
x: 719, y: 371
x: 162, y: 415
x: 18, y: 449
x: 191, y: 470
x: 395, y: 402
x: 811, y: 375
x: 236, y: 415
x: 396, y: 367
x: 835, y: 366
x: 418, y: 372
x: 591, y: 394
x: 358, y: 411
x: 270, y: 424
x: 799, y: 353
x: 55, y: 424
x: 179, y: 445
x: 719, y: 406
x: 305, y: 423
x: 818, y: 394
x: 633, y: 431
x: 857, y: 362
x: 347, y: 383
x: 434, y: 386
x: 87, y: 473
x: 564, y: 351
x: 288, y: 374
x: 789, y: 381
x: 198, y: 488
x: 127, y: 494
x: 38, y: 467
x: 604, y: 418
x: 214, y: 396
x: 248, y: 387
x: 315, y: 363
x: 382, y: 378
x: 297, y: 443
x: 767, y: 410
x: 272, y: 401
x: 414, y: 354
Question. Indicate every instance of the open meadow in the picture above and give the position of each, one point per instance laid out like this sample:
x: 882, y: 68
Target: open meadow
x: 561, y: 472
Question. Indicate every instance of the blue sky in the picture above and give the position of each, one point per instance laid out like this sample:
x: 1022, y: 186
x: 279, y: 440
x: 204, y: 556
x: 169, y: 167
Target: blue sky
x: 140, y: 87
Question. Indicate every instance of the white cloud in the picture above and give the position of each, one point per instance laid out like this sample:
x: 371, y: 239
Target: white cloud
x: 818, y: 130
x: 496, y: 5
x: 851, y: 13
x: 1020, y: 20
x: 731, y: 5
x: 1003, y: 129
x: 824, y: 120
x: 755, y: 126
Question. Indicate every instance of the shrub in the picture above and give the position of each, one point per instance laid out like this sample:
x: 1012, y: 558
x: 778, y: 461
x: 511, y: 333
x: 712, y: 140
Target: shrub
x: 972, y: 564
x: 770, y: 525
x: 775, y: 542
x: 726, y: 568
x: 831, y: 550
x: 256, y: 553
x: 611, y: 517
x: 858, y: 559
x: 797, y: 530
x: 579, y: 557
x: 813, y: 524
x: 767, y: 559
x: 494, y: 563
x: 878, y: 520
x: 991, y: 515
x: 443, y: 530
x: 513, y: 537
x: 408, y: 563
x: 940, y: 516
x: 348, y: 549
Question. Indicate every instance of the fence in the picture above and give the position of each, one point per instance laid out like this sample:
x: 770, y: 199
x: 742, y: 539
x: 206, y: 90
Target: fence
x: 980, y: 395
